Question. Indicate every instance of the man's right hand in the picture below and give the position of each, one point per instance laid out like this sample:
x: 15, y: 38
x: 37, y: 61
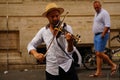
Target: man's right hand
x: 38, y: 56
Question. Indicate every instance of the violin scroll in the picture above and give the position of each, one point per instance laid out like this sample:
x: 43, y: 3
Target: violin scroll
x: 76, y: 37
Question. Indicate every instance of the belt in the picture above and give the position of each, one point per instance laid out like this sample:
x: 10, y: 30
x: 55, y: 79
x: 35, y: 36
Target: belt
x: 98, y: 33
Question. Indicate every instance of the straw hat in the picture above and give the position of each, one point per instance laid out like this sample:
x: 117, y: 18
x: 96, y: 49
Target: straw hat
x: 50, y: 7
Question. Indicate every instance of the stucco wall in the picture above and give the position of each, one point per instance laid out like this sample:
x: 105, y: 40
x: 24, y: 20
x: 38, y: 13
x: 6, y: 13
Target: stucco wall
x: 25, y: 16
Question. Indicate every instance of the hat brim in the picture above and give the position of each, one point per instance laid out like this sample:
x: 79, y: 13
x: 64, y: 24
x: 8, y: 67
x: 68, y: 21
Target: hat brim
x: 61, y: 10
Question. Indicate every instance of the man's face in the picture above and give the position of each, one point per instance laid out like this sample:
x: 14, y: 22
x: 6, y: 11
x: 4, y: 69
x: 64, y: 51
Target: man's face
x: 97, y: 7
x: 53, y: 17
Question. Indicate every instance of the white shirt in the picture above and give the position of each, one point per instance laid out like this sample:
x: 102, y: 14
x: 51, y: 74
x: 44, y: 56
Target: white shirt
x: 101, y: 20
x: 55, y: 56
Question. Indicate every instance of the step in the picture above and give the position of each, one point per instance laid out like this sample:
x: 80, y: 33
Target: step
x: 21, y: 67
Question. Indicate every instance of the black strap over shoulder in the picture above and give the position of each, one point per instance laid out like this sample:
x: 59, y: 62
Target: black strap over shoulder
x: 62, y: 49
x: 59, y: 33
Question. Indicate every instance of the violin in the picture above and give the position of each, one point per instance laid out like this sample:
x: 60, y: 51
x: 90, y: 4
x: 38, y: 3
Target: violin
x: 76, y: 38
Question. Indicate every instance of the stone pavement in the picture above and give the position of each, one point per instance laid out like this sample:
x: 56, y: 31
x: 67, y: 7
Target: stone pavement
x: 40, y: 75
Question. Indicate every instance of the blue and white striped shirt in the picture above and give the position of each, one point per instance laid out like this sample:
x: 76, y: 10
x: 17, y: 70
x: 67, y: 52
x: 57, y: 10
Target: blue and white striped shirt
x: 101, y: 20
x: 55, y: 56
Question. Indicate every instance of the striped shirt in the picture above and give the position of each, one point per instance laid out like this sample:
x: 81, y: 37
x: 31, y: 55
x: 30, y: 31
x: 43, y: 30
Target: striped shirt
x: 55, y: 56
x: 101, y: 20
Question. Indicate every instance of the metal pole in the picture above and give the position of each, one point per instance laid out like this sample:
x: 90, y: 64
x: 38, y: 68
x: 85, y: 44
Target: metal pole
x: 5, y: 72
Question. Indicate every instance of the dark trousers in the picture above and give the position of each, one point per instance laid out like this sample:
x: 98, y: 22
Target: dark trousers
x: 70, y: 75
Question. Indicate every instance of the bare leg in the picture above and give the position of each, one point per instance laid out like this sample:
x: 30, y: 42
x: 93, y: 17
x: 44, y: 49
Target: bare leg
x: 99, y: 63
x: 99, y: 58
x: 105, y: 57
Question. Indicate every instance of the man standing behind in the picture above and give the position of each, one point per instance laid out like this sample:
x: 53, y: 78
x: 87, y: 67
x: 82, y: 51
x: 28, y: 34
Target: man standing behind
x: 101, y: 29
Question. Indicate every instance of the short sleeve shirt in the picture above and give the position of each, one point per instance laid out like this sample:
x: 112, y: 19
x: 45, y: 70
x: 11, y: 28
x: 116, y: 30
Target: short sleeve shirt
x: 101, y: 20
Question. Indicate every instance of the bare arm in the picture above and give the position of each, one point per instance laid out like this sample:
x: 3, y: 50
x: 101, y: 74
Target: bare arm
x: 105, y: 31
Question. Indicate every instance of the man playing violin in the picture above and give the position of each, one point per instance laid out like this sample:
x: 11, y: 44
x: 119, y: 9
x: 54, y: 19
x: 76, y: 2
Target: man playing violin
x: 59, y: 62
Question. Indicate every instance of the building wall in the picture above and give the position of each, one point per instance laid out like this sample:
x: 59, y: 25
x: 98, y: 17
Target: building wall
x: 25, y: 16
